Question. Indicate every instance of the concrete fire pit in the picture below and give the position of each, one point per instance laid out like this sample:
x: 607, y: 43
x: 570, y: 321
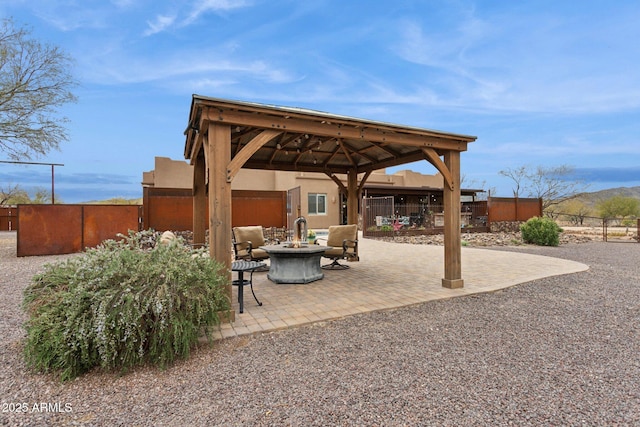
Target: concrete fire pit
x: 298, y: 263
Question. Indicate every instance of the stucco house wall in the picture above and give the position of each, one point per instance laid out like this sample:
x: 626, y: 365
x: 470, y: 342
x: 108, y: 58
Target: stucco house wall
x: 170, y: 173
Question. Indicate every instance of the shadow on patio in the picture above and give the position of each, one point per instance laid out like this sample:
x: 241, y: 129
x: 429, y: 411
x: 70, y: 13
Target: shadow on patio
x: 388, y: 275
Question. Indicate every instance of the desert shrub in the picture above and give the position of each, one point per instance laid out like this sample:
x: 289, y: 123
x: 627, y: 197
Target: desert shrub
x: 121, y: 305
x: 541, y: 231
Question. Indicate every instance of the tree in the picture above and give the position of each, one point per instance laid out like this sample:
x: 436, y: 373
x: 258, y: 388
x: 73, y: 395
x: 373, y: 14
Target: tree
x: 12, y: 195
x: 518, y: 176
x: 576, y: 209
x: 34, y: 81
x: 551, y: 184
x: 619, y: 207
x: 15, y: 195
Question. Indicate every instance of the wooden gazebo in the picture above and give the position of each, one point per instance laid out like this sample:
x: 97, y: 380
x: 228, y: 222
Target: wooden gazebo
x: 224, y: 136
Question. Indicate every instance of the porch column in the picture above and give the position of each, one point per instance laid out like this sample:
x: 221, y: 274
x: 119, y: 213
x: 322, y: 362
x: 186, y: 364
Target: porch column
x: 452, y: 244
x: 218, y: 144
x: 352, y: 197
x: 199, y: 200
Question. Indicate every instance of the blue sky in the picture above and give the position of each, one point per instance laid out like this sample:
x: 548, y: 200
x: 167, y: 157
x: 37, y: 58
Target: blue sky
x: 540, y: 83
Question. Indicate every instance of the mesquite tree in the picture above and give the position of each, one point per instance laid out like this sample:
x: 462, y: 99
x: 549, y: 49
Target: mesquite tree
x: 35, y: 80
x: 553, y: 184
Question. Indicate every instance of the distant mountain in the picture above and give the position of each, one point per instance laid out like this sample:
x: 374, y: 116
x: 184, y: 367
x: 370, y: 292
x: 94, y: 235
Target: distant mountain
x: 591, y: 199
x: 114, y: 201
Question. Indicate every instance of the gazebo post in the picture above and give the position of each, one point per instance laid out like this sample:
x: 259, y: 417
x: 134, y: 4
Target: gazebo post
x: 352, y: 196
x: 452, y: 244
x: 199, y: 200
x: 218, y: 146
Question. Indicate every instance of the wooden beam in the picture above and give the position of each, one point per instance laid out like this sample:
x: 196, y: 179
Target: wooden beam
x: 219, y: 148
x: 338, y: 130
x: 197, y: 146
x: 362, y: 182
x: 452, y: 237
x: 436, y: 161
x: 352, y: 196
x: 293, y: 167
x: 338, y: 182
x: 249, y: 150
x: 345, y: 150
x: 199, y: 199
x: 409, y: 158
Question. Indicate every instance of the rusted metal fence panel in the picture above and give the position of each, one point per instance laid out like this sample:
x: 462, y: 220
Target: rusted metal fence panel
x: 102, y: 222
x: 265, y: 208
x: 513, y: 209
x: 49, y: 229
x: 8, y: 218
x: 168, y: 209
x: 65, y: 229
x: 172, y: 209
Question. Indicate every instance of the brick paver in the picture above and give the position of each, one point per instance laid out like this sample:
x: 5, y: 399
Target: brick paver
x: 388, y: 275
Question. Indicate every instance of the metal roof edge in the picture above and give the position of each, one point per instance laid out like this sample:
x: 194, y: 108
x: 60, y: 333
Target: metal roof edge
x: 318, y: 113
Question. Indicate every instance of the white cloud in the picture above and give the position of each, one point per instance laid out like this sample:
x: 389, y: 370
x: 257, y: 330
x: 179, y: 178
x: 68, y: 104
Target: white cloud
x: 163, y: 22
x: 549, y: 62
x: 204, y: 6
x: 160, y: 24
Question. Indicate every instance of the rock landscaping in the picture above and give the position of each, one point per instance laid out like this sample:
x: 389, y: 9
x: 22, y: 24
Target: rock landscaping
x: 503, y: 238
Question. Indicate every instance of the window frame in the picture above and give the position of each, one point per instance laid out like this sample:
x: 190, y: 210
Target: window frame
x: 317, y: 197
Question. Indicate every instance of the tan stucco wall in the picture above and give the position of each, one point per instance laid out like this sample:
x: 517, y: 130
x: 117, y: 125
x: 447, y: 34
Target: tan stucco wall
x: 170, y: 173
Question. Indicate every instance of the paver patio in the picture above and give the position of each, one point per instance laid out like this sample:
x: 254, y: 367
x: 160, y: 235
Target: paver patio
x: 388, y: 275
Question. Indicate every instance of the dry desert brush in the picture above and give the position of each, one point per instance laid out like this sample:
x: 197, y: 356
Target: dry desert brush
x: 120, y: 305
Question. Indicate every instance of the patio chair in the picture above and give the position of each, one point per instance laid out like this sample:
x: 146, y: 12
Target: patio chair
x: 343, y: 240
x: 247, y: 242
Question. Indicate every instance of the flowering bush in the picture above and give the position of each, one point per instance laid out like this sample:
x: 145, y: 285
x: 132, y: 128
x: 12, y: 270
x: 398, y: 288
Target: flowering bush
x: 121, y: 305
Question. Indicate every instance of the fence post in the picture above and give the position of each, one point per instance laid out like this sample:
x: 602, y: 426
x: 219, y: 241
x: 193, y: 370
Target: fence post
x: 604, y: 229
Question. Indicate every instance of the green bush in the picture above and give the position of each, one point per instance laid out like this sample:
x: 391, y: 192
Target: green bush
x: 541, y: 231
x: 120, y: 305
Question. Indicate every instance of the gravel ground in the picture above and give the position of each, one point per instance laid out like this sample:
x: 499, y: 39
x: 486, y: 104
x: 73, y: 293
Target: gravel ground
x: 558, y: 351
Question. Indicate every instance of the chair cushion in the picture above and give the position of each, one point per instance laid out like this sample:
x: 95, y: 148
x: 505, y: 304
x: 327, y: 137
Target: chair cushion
x: 338, y: 233
x: 334, y: 252
x: 259, y: 254
x: 253, y: 234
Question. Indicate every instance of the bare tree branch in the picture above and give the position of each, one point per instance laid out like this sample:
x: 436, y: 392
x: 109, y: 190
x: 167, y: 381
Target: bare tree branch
x: 35, y: 80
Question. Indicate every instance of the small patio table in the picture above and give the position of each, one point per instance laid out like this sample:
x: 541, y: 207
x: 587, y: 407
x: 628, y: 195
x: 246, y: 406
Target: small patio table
x: 240, y: 267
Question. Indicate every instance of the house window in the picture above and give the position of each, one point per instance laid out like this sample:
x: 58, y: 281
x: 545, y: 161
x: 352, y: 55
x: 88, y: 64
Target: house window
x: 317, y: 204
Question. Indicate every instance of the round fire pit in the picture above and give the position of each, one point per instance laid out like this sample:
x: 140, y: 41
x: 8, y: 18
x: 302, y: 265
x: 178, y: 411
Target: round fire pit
x: 294, y: 263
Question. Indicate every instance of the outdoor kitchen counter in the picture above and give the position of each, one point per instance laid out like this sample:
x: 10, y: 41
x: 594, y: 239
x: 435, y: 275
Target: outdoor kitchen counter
x: 295, y: 264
